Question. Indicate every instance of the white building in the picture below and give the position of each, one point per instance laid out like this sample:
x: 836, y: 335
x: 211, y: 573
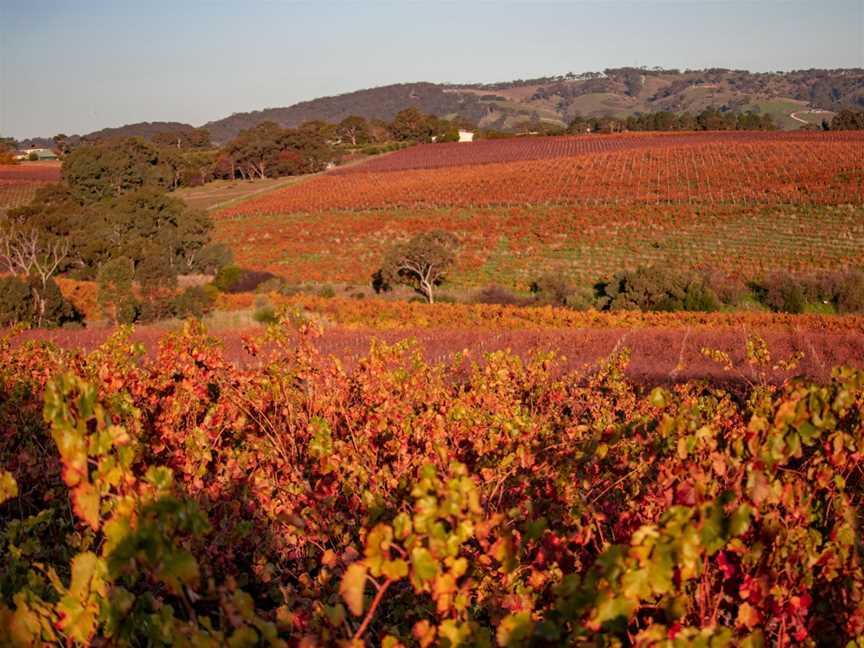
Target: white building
x: 466, y: 136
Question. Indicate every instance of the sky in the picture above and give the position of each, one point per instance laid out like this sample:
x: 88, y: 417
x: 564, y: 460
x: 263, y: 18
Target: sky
x: 78, y: 66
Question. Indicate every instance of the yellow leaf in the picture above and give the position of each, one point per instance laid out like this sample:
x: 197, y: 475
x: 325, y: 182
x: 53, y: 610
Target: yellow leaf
x: 352, y: 586
x: 8, y: 486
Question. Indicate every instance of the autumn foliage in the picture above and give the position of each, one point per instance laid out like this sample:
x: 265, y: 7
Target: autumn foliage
x: 180, y: 499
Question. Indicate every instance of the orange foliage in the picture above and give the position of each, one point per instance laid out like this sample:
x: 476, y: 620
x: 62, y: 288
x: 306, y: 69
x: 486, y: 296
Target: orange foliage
x: 82, y: 294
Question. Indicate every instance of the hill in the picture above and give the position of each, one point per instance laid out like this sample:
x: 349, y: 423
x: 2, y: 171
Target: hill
x: 614, y: 92
x: 140, y: 129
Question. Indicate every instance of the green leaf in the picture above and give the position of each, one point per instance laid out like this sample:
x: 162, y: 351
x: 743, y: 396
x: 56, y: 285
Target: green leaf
x: 515, y: 629
x: 160, y: 478
x: 395, y: 569
x: 424, y: 566
x: 352, y: 586
x: 321, y: 443
x: 179, y: 568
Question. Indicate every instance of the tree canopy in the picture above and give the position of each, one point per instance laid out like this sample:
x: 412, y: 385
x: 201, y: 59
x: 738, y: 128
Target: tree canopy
x: 421, y: 263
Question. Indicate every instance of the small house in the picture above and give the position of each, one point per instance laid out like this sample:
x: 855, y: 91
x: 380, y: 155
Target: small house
x: 466, y: 135
x: 36, y: 154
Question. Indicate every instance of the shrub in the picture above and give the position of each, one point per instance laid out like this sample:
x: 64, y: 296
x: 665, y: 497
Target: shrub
x: 553, y: 288
x: 326, y: 292
x: 232, y: 279
x: 700, y: 297
x: 729, y: 290
x: 212, y: 258
x: 656, y: 289
x: 195, y: 301
x: 783, y: 293
x: 158, y: 282
x: 273, y: 284
x: 59, y: 311
x: 226, y: 277
x: 850, y: 293
x: 115, y: 296
x: 16, y: 302
x: 496, y: 294
x: 264, y: 311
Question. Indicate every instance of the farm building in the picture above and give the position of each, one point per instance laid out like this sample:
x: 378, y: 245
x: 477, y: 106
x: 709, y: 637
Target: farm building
x: 466, y: 136
x: 40, y: 154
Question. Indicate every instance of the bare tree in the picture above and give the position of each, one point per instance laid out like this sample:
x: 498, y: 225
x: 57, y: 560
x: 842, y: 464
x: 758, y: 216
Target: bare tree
x: 25, y: 252
x: 421, y: 263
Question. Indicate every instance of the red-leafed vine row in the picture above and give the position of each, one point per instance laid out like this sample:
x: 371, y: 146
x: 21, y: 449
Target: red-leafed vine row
x: 181, y: 500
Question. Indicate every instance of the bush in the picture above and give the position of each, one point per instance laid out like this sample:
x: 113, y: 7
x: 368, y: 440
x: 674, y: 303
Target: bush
x: 850, y: 293
x: 18, y: 305
x: 59, y: 311
x: 212, y: 258
x: 226, y: 277
x: 656, y: 289
x: 326, y: 292
x: 264, y: 311
x: 196, y: 301
x: 115, y: 296
x: 232, y: 279
x: 498, y: 295
x: 553, y: 288
x: 16, y: 302
x: 699, y: 297
x: 783, y: 293
x: 158, y: 281
x: 270, y: 285
x: 728, y: 289
x: 558, y: 290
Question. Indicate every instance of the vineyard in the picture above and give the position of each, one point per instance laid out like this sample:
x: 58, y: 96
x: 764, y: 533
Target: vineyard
x: 589, y: 206
x: 177, y: 498
x: 432, y: 156
x: 18, y: 183
x: 513, y: 245
x: 741, y: 174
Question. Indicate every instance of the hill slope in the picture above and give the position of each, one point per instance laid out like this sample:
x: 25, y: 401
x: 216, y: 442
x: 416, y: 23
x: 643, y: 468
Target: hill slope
x: 618, y: 92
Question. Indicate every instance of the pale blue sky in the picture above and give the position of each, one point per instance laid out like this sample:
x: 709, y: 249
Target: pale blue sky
x: 75, y: 67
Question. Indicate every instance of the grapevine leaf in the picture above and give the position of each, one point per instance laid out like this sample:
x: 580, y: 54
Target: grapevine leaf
x: 352, y: 586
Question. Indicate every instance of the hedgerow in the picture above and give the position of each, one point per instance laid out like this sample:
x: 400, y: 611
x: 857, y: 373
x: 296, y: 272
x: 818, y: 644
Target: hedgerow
x: 182, y: 500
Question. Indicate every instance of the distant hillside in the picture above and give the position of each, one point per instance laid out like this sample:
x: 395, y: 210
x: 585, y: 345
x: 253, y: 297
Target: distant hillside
x: 142, y: 129
x: 619, y: 92
x: 377, y: 103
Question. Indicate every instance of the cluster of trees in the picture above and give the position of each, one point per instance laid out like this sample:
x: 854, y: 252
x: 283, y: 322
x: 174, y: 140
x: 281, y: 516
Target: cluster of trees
x: 7, y: 150
x: 847, y: 119
x: 110, y: 219
x: 654, y: 288
x: 185, y: 156
x: 708, y: 119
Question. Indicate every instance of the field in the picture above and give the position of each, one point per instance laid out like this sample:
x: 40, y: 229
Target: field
x: 18, y: 182
x: 748, y: 202
x: 376, y: 472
